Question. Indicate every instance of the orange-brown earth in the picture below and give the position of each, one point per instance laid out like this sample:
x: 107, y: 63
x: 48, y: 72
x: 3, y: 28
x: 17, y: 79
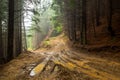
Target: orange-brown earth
x: 65, y: 63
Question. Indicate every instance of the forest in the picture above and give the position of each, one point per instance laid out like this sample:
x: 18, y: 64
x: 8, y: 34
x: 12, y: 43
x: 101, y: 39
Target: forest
x: 60, y: 40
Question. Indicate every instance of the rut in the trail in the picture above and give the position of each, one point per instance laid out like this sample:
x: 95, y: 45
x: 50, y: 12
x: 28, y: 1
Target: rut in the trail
x: 68, y: 65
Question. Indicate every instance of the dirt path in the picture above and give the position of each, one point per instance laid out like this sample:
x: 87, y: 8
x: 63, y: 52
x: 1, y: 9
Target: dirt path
x: 60, y: 63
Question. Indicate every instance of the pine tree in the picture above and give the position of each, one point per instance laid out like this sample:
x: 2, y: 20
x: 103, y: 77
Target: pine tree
x: 10, y: 31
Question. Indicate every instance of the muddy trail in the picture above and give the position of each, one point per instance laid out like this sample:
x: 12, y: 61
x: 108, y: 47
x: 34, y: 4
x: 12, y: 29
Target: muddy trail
x: 59, y: 62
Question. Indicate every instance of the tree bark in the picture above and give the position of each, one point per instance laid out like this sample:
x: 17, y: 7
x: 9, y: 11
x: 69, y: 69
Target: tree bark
x: 84, y: 26
x: 1, y: 45
x: 10, y: 31
x: 97, y: 12
x: 110, y: 29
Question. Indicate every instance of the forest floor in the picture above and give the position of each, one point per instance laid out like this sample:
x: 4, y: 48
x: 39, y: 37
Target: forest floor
x: 57, y: 61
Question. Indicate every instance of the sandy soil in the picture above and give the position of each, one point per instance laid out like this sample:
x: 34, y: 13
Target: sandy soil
x: 63, y: 63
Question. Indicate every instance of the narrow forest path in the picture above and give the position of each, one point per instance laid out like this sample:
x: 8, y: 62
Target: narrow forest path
x: 58, y: 62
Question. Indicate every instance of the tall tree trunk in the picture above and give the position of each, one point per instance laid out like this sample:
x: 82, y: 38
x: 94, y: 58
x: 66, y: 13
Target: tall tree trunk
x: 97, y: 12
x: 24, y: 36
x: 1, y: 45
x: 84, y: 26
x: 81, y: 21
x: 10, y: 31
x: 16, y: 21
x: 73, y: 27
x: 110, y: 29
x: 20, y: 31
x: 74, y: 22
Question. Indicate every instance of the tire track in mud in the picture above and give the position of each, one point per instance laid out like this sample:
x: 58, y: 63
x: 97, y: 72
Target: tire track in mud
x: 85, y: 68
x: 65, y: 64
x: 74, y: 65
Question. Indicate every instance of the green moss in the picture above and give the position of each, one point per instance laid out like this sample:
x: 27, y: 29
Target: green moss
x: 46, y: 43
